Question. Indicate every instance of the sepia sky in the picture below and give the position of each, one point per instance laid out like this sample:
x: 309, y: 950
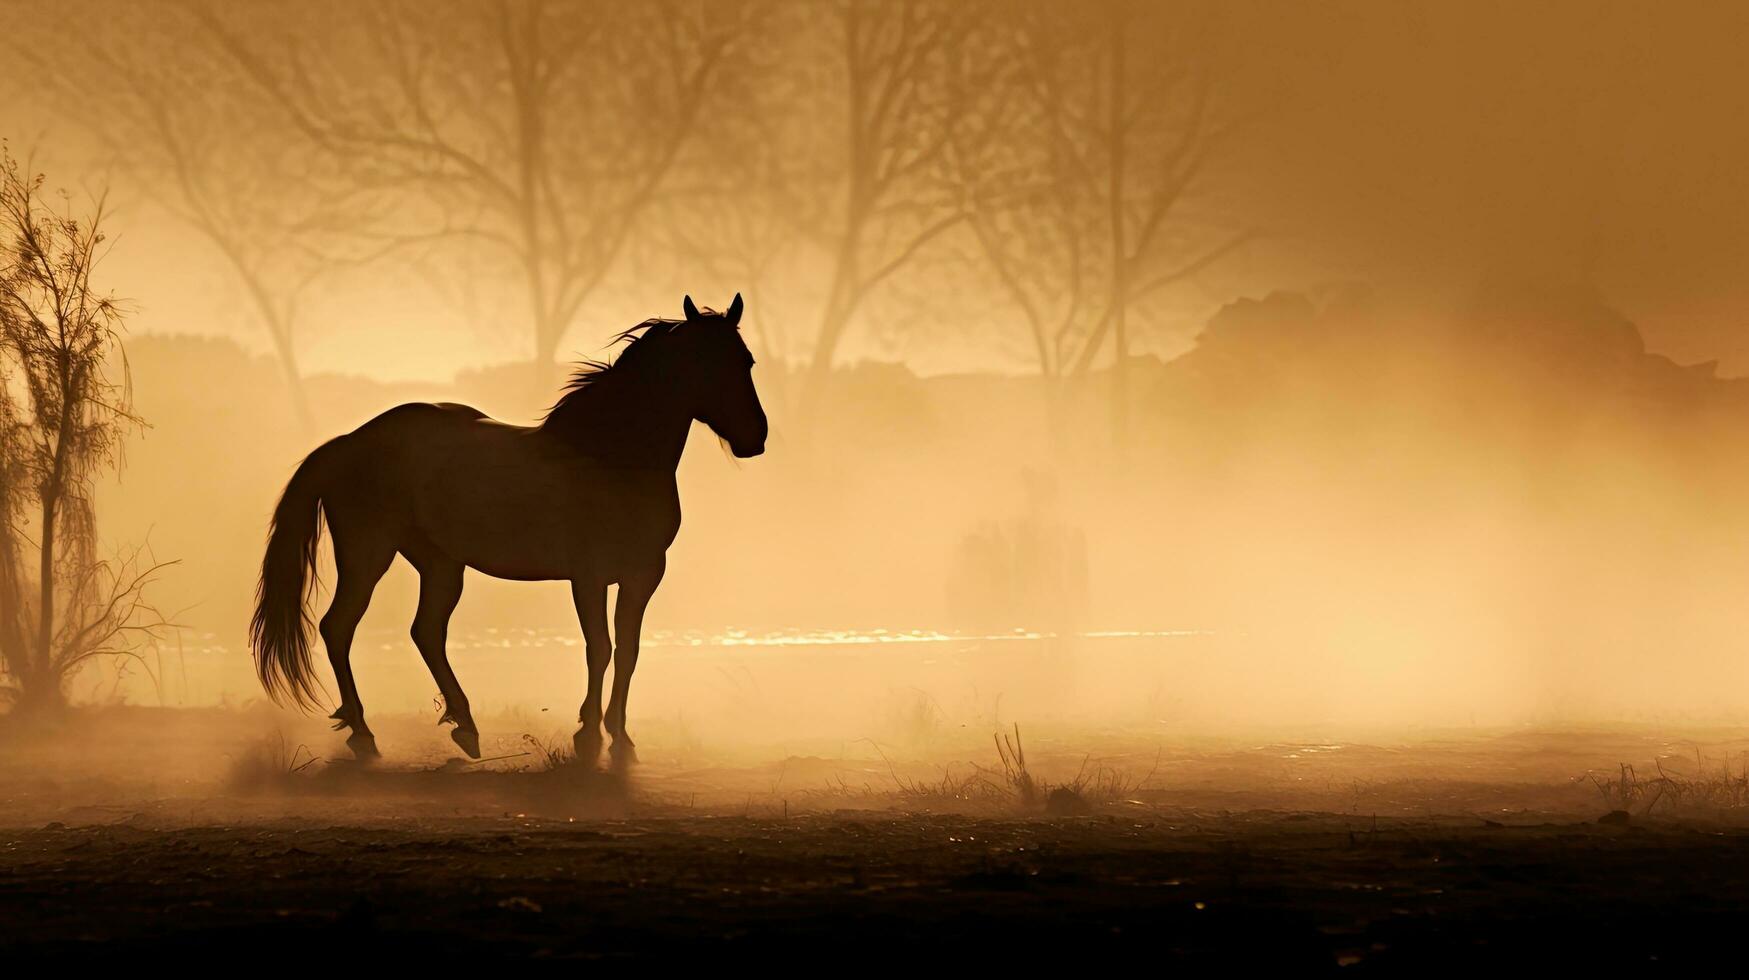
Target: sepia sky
x: 1412, y: 146
x: 1602, y: 141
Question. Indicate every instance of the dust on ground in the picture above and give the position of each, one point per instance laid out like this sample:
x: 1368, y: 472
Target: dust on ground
x: 210, y: 833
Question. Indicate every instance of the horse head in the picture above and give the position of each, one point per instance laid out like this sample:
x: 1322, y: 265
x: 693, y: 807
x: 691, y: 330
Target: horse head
x: 720, y: 378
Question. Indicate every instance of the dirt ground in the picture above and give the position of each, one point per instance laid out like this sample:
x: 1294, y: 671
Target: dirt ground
x: 140, y: 833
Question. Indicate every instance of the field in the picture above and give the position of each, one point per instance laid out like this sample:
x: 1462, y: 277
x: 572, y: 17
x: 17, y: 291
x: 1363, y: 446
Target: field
x: 218, y: 835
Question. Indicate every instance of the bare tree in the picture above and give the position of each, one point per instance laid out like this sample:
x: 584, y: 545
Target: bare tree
x: 743, y: 207
x: 894, y: 184
x: 66, y: 410
x: 1083, y: 185
x: 538, y: 131
x: 198, y: 138
x: 730, y: 233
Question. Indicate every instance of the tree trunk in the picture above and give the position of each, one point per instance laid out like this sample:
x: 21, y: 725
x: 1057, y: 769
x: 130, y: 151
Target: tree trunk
x: 841, y: 304
x: 294, y: 381
x: 40, y: 693
x: 832, y: 326
x: 16, y: 644
x: 47, y: 679
x: 41, y: 680
x: 1119, y: 247
x: 278, y: 321
x: 548, y: 374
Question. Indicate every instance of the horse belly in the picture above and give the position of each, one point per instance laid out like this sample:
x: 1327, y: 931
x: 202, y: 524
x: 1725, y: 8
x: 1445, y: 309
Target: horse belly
x: 510, y: 524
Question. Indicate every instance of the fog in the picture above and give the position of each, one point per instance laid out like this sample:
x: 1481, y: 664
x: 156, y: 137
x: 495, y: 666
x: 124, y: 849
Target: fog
x: 1402, y: 394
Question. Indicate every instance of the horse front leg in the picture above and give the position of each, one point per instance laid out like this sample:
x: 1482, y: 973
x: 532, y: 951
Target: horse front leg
x: 590, y: 598
x: 628, y: 623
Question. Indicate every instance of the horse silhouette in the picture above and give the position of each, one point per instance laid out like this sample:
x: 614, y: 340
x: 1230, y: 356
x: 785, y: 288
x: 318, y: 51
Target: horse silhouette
x: 588, y: 496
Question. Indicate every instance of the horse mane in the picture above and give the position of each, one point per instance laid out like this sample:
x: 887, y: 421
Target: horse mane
x: 590, y: 371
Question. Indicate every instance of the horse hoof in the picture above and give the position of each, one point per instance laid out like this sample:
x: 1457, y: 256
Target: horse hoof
x: 364, y: 748
x: 588, y: 747
x: 468, y: 740
x: 623, y: 753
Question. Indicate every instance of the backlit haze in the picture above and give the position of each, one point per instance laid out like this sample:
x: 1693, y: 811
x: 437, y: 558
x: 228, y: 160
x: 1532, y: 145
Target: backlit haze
x: 1432, y: 415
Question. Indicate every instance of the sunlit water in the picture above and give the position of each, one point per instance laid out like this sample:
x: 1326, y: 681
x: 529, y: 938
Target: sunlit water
x: 852, y: 681
x: 542, y: 668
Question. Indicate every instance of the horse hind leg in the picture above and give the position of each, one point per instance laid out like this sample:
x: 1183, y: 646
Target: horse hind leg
x: 440, y: 588
x: 359, y: 567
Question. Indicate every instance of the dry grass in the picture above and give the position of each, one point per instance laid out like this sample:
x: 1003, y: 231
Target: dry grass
x: 1012, y: 784
x: 914, y: 717
x: 1018, y: 778
x: 550, y: 756
x: 1672, y: 793
x: 268, y: 763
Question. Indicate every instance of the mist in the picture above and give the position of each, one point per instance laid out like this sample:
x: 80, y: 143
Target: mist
x: 1408, y: 398
x: 1424, y: 406
x: 1201, y: 483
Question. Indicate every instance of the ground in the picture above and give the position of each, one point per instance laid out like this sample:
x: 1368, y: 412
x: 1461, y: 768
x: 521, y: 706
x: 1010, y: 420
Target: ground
x: 1434, y: 854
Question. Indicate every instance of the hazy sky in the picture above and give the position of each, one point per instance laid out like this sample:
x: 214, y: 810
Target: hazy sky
x: 1408, y: 145
x: 1431, y: 140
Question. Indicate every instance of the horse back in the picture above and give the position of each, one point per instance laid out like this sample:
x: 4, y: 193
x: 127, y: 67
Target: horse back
x: 509, y: 500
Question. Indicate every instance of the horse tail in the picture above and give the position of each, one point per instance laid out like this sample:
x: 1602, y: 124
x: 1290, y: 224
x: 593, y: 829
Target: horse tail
x: 279, y: 632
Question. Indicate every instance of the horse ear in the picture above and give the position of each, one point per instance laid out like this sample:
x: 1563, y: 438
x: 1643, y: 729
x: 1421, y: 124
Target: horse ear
x: 734, y: 314
x: 691, y: 310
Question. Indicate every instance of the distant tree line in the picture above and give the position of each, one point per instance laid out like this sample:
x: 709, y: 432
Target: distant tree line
x: 843, y: 163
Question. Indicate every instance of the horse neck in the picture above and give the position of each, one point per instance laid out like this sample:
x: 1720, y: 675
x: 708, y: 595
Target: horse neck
x: 624, y: 420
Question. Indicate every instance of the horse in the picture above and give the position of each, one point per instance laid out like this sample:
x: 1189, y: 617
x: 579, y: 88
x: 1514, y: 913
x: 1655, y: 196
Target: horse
x: 588, y: 496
